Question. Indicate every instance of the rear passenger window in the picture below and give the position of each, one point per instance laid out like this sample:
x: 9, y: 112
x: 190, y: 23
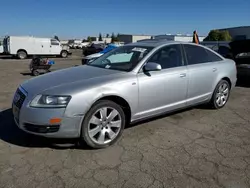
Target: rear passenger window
x: 197, y: 55
x: 212, y: 57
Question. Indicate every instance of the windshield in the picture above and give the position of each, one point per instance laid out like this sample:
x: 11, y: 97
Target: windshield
x: 123, y: 58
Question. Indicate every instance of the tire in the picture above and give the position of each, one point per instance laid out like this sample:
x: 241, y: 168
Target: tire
x: 104, y: 129
x: 22, y: 54
x: 220, y: 94
x: 64, y: 54
x: 35, y: 73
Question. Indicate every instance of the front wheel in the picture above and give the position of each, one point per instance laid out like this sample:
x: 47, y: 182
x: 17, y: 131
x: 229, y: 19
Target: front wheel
x: 220, y: 95
x: 103, y: 124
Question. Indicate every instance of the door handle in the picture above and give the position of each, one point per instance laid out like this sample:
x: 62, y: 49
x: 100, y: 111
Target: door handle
x: 214, y: 69
x: 183, y: 75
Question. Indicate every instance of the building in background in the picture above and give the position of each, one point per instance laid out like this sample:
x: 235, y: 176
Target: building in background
x: 127, y: 38
x: 178, y: 37
x: 238, y: 33
x: 104, y: 39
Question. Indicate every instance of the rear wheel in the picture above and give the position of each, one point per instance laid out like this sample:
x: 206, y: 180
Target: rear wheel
x: 35, y: 72
x: 21, y: 54
x: 103, y: 124
x: 220, y: 95
x: 64, y: 54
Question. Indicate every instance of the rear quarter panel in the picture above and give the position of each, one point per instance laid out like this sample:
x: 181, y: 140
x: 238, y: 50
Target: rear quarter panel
x: 226, y: 69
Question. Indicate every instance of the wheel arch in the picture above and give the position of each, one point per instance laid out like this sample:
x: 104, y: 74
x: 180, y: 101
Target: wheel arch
x: 22, y: 50
x: 228, y: 80
x: 118, y: 100
x: 223, y: 78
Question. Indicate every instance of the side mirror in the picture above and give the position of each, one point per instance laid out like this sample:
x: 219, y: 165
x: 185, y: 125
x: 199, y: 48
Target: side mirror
x: 150, y: 66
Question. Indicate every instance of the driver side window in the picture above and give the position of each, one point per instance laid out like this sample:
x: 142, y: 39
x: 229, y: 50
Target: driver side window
x: 168, y: 56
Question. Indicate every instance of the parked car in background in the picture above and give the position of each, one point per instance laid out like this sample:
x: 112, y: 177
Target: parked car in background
x: 130, y: 83
x: 1, y: 49
x: 22, y: 46
x: 240, y: 50
x: 221, y: 47
x: 93, y: 48
x: 92, y: 57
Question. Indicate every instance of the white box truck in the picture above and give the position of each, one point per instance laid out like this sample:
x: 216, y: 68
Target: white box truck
x: 22, y: 46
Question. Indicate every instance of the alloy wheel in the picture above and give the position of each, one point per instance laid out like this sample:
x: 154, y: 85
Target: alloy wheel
x: 222, y: 95
x: 104, y: 125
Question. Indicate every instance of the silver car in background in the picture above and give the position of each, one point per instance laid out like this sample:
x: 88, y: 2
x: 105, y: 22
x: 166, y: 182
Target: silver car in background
x: 94, y: 102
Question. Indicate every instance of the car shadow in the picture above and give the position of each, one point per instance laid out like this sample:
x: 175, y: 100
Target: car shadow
x: 26, y: 73
x: 10, y: 133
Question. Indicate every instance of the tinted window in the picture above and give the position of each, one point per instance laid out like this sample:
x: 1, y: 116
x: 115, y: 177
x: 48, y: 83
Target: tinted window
x: 212, y: 57
x: 197, y: 55
x: 54, y: 42
x: 168, y: 57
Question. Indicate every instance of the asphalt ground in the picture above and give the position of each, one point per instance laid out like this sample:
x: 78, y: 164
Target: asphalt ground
x: 197, y: 147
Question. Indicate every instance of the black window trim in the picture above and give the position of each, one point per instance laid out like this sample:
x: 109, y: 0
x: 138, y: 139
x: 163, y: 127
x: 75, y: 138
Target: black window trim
x: 205, y: 48
x: 182, y: 56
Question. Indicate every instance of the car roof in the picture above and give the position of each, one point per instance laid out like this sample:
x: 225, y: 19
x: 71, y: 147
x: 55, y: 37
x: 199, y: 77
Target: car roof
x: 155, y: 42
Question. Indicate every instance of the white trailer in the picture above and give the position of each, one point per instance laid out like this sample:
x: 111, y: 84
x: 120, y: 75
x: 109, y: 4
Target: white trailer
x: 22, y: 46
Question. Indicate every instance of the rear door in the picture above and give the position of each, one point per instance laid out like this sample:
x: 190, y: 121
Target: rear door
x: 202, y: 70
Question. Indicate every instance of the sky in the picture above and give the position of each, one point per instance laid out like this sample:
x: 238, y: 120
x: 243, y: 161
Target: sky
x: 81, y: 18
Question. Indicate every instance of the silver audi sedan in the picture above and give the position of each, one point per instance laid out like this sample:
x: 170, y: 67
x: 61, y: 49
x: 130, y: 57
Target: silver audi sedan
x: 94, y: 102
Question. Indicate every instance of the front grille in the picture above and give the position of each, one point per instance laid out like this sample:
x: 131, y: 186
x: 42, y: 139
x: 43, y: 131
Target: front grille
x: 41, y: 128
x: 21, y: 98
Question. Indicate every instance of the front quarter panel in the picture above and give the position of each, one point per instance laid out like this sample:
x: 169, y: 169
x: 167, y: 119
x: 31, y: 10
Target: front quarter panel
x: 124, y: 87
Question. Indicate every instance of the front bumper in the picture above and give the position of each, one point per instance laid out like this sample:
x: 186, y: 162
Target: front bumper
x: 37, y: 121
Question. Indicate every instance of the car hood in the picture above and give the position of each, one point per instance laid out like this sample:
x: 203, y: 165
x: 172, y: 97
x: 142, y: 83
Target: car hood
x: 240, y: 46
x: 65, y: 76
x: 93, y: 56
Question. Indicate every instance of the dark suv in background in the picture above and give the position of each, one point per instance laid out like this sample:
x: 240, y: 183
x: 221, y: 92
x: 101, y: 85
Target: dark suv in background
x: 238, y: 50
x: 93, y: 48
x: 221, y: 47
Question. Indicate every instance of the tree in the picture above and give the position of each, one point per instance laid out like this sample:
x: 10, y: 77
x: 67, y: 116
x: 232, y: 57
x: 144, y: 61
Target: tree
x: 107, y: 35
x: 216, y: 35
x: 56, y: 37
x: 89, y: 39
x: 225, y: 36
x: 100, y: 37
x: 112, y: 38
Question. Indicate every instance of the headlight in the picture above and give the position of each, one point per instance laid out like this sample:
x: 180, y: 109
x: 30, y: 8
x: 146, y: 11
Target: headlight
x: 50, y: 101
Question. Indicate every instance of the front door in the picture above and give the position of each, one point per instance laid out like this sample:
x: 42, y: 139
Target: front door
x: 55, y: 48
x: 164, y: 90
